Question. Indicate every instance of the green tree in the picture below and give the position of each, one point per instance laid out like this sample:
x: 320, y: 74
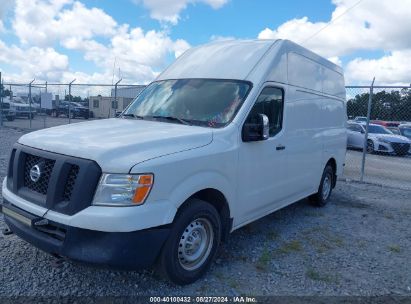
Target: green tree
x: 392, y: 106
x: 4, y: 92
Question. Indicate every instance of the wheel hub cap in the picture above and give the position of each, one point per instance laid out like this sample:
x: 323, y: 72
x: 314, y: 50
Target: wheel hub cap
x: 326, y: 187
x: 195, y: 244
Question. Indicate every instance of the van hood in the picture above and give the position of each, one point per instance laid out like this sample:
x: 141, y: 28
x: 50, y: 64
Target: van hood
x: 119, y: 144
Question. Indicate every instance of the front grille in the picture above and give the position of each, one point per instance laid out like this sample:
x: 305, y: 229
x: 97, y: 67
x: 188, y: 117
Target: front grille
x: 400, y: 149
x: 66, y: 184
x: 46, y: 167
x: 71, y: 180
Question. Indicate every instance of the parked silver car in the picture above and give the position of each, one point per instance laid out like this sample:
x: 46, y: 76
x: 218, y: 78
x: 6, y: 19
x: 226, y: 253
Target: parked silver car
x: 380, y: 139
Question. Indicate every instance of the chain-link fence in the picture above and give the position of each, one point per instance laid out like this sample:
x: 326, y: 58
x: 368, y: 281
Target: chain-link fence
x: 379, y: 135
x: 36, y: 106
x: 42, y: 105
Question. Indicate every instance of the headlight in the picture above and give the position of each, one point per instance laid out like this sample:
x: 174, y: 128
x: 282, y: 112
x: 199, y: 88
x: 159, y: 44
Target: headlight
x: 384, y: 140
x: 123, y: 189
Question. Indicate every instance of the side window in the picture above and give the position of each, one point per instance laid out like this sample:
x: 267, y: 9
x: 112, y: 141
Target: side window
x: 271, y: 103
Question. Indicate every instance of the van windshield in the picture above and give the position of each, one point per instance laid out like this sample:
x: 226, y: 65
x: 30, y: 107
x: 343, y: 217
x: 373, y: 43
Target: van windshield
x: 206, y: 102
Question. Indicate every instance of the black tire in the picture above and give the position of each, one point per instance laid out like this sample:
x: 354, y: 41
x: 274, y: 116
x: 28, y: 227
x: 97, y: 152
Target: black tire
x: 320, y: 199
x: 171, y: 263
x: 10, y: 118
x: 370, y: 146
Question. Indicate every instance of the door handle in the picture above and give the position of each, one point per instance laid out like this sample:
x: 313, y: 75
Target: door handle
x: 280, y: 147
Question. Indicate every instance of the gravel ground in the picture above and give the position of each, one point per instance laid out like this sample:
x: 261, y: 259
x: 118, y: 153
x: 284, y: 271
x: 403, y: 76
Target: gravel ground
x: 359, y: 244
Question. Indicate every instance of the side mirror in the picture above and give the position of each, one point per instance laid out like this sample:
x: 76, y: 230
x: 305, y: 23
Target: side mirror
x: 256, y: 128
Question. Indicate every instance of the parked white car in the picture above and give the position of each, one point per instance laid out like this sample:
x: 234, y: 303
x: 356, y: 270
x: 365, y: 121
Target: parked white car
x: 22, y: 109
x: 380, y: 139
x: 229, y: 133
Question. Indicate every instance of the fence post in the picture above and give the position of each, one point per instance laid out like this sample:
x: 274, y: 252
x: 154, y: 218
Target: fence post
x: 44, y: 110
x: 1, y: 101
x: 69, y: 107
x: 30, y: 115
x: 115, y: 95
x: 364, y: 150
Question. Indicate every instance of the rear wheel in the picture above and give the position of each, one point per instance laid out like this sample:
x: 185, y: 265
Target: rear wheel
x: 322, y: 197
x: 192, y: 244
x: 370, y: 146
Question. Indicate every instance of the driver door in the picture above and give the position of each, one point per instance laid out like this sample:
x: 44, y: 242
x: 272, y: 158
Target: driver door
x: 262, y: 177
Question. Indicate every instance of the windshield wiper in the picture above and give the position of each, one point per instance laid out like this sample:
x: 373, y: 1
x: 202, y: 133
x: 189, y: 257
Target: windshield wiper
x: 180, y: 120
x: 132, y: 115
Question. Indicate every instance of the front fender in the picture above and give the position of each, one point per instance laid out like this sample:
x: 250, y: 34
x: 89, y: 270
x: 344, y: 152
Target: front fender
x: 197, y: 182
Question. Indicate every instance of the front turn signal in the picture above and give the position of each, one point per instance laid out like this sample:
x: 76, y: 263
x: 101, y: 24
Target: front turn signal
x: 144, y: 185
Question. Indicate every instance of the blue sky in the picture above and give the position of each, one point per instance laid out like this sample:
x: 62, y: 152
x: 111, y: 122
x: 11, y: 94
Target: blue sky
x: 57, y: 40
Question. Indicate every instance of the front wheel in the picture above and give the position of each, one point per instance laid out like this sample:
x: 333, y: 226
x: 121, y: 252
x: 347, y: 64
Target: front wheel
x: 322, y: 197
x: 192, y: 244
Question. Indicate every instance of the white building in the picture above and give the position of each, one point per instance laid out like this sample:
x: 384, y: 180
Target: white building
x: 128, y: 92
x: 106, y: 107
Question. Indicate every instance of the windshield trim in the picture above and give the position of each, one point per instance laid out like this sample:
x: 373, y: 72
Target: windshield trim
x: 199, y: 123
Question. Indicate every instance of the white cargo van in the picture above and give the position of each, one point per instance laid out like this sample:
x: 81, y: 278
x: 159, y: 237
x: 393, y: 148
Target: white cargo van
x: 229, y: 133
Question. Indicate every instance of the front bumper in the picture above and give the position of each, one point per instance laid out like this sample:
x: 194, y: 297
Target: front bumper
x: 385, y: 147
x: 121, y: 250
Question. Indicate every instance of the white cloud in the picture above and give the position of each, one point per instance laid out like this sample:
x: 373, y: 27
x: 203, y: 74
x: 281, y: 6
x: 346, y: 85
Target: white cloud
x: 394, y: 68
x: 40, y: 25
x: 34, y: 62
x: 169, y: 11
x: 370, y: 25
x: 139, y: 55
x: 44, y: 22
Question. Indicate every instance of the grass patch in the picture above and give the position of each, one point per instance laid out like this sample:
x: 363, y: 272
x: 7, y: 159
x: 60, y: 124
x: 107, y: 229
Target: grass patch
x: 313, y: 213
x: 388, y: 216
x: 233, y: 283
x: 321, y: 277
x: 264, y: 260
x: 323, y: 240
x: 394, y: 248
x: 289, y: 247
x: 272, y: 235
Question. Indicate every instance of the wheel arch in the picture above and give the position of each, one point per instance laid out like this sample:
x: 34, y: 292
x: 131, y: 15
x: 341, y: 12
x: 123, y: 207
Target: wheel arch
x: 219, y: 201
x: 333, y: 163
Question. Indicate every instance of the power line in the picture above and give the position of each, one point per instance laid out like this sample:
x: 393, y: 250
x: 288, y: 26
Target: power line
x: 331, y: 22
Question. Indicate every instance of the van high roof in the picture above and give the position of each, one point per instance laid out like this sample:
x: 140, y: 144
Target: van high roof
x: 258, y: 61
